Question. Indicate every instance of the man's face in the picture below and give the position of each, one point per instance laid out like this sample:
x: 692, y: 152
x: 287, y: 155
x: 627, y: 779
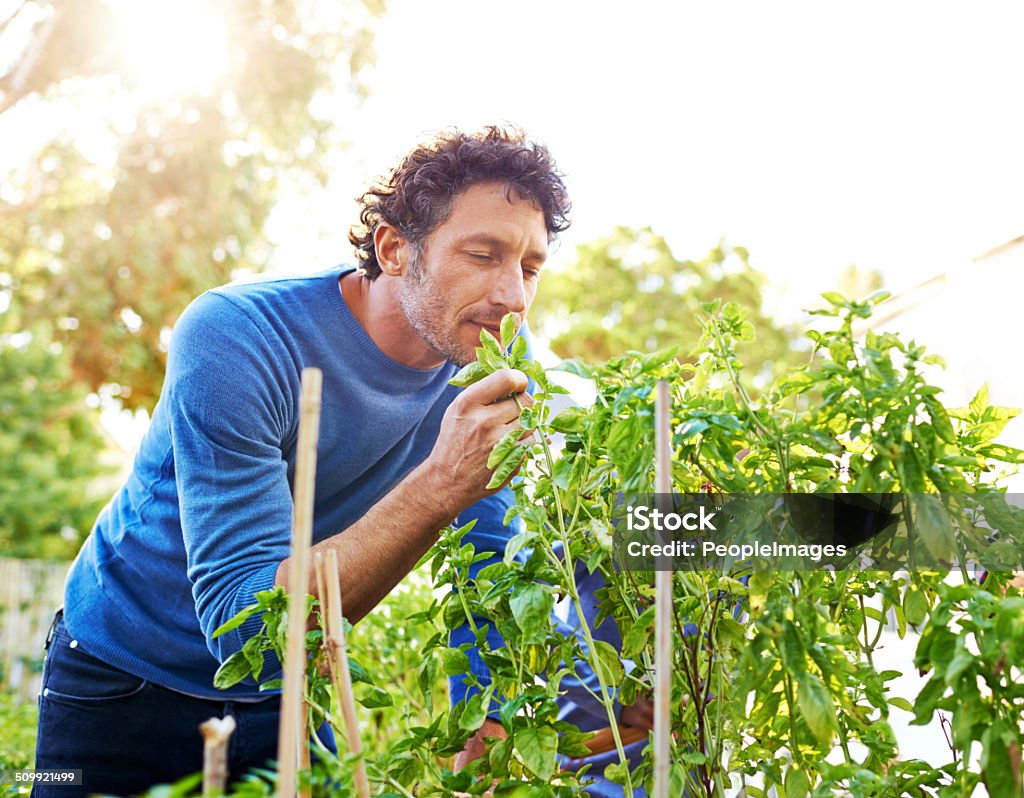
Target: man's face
x: 483, y: 262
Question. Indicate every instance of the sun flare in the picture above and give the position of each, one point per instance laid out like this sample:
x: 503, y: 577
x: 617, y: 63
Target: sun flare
x: 171, y: 48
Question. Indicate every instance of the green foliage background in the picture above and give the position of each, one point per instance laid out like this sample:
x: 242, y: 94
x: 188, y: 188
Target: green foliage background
x: 628, y: 291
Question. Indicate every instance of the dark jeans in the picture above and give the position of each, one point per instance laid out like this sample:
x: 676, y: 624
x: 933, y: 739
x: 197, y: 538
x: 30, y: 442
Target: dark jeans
x: 127, y: 734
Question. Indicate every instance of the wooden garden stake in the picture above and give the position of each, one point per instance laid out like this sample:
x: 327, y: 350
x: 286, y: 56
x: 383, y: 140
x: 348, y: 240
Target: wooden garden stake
x: 334, y: 640
x: 292, y: 734
x: 662, y: 601
x: 216, y: 733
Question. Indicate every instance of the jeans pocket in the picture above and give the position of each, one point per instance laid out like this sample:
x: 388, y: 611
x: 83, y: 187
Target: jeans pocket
x: 72, y: 675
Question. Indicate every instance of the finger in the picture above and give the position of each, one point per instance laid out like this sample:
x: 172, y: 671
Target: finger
x: 495, y: 386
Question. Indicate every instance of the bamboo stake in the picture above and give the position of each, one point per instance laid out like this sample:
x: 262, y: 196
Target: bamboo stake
x: 216, y: 733
x: 305, y: 763
x: 662, y: 603
x: 292, y: 709
x: 338, y: 657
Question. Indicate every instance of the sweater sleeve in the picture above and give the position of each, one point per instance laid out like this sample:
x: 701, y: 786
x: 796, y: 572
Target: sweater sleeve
x: 231, y: 409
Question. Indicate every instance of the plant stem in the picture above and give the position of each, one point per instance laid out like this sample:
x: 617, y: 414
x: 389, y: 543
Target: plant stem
x: 791, y: 704
x: 574, y: 595
x: 864, y: 624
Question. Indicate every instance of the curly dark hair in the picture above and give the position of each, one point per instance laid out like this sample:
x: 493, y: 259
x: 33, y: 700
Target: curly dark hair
x: 417, y: 196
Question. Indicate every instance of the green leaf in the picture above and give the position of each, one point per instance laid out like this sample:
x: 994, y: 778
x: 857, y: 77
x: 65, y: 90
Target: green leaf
x: 797, y: 783
x: 691, y: 427
x: 932, y: 522
x: 500, y: 754
x: 792, y: 650
x: 996, y: 766
x: 980, y: 401
x: 577, y: 367
x: 508, y: 330
x: 531, y: 606
x: 961, y: 662
x: 503, y: 447
x: 571, y: 743
x: 490, y: 346
x: 901, y: 703
x: 488, y: 358
x: 475, y: 713
x: 729, y: 633
x: 930, y: 695
x: 232, y: 671
x: 538, y: 747
x: 507, y: 466
x: 469, y: 374
x: 515, y: 545
x: 375, y: 697
x: 607, y: 662
x: 915, y: 606
x: 1007, y: 454
x: 456, y: 661
x: 518, y: 350
x: 639, y: 633
x: 940, y: 419
x: 253, y: 652
x: 692, y: 757
x: 425, y: 678
x: 835, y: 298
x: 658, y: 358
x: 242, y: 616
x: 816, y: 706
x: 358, y: 672
x: 569, y: 420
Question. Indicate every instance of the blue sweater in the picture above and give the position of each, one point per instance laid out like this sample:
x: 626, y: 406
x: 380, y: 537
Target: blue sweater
x: 205, y: 516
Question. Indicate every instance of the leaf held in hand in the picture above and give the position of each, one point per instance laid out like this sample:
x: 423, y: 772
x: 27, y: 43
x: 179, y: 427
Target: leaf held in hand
x: 508, y: 330
x: 469, y: 374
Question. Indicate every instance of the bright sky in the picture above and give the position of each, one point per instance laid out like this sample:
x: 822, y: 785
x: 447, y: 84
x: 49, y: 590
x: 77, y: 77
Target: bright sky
x: 882, y: 134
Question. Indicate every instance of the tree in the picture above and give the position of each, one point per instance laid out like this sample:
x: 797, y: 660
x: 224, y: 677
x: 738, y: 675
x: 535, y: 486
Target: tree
x: 144, y: 146
x: 628, y: 291
x: 159, y: 187
x: 49, y: 454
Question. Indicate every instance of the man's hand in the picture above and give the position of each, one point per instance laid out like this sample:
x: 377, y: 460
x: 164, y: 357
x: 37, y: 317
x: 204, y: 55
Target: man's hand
x: 379, y: 549
x: 471, y: 426
x: 475, y: 746
x: 639, y: 714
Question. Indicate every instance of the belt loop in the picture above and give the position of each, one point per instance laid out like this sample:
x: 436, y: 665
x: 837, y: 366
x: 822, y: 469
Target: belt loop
x: 53, y: 627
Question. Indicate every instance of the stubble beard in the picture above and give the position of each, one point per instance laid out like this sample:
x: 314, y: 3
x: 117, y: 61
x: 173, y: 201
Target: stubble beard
x: 424, y: 308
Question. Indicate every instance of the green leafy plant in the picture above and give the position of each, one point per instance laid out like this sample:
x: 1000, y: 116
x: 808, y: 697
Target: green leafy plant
x: 774, y: 680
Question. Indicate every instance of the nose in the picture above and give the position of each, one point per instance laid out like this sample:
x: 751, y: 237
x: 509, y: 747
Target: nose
x: 509, y: 289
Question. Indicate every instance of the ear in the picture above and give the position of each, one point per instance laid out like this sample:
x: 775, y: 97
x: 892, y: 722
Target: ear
x: 392, y: 250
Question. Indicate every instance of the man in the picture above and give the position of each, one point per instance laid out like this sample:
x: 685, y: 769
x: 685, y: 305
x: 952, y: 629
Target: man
x: 452, y: 241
